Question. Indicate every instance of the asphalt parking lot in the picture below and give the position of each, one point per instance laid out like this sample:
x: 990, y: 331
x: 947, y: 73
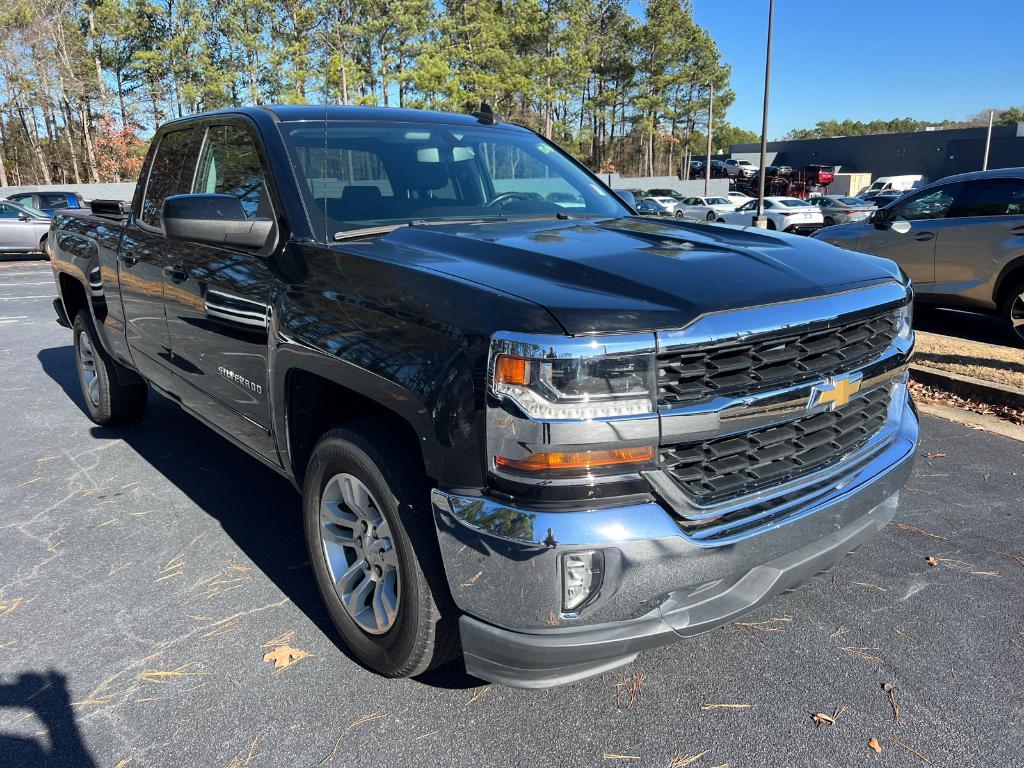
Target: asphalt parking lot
x: 145, y: 573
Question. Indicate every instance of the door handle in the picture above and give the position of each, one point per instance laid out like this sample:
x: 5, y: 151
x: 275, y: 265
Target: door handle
x: 176, y: 273
x: 129, y: 259
x: 924, y: 237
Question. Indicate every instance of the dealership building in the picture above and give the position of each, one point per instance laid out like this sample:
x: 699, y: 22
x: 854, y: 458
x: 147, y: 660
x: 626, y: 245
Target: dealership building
x: 934, y: 154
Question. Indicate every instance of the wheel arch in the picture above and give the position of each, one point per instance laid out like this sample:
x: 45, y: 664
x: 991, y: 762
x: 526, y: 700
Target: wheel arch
x: 1011, y: 272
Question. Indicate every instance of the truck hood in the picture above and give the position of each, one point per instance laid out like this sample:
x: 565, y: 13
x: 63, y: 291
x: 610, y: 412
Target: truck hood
x: 632, y: 274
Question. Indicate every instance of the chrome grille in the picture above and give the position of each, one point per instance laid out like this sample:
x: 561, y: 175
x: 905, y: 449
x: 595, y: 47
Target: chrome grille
x: 722, y: 468
x: 688, y: 376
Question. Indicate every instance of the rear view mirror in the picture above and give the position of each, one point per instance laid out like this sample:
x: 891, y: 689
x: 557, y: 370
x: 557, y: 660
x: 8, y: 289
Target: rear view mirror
x: 214, y: 219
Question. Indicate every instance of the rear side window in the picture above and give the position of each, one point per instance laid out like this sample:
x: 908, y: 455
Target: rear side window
x: 55, y: 201
x: 230, y: 165
x: 993, y: 197
x: 167, y: 174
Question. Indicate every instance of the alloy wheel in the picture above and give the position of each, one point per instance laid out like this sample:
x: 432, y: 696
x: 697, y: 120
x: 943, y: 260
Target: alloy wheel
x: 1017, y: 316
x: 360, y: 553
x: 87, y: 361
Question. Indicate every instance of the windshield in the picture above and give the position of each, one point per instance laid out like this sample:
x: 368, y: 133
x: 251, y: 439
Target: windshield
x: 362, y: 175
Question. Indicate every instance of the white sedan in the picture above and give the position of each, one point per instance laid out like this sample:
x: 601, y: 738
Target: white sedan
x: 667, y: 205
x: 703, y: 208
x: 738, y: 197
x: 786, y: 214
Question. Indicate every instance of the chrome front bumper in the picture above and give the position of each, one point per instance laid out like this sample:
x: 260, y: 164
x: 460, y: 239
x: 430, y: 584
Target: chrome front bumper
x: 659, y: 584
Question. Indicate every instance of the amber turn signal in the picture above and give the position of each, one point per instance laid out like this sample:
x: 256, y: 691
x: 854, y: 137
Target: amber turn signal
x: 512, y: 370
x: 539, y: 462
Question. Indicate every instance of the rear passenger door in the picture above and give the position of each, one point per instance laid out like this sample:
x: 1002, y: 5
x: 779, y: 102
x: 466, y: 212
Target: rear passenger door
x: 144, y: 254
x: 969, y: 252
x: 217, y: 297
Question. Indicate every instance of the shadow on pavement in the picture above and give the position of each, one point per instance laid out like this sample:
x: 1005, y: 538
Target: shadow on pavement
x: 971, y: 326
x: 255, y: 506
x: 46, y: 696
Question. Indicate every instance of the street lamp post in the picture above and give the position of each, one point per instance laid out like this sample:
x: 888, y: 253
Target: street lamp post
x: 707, y: 156
x: 761, y: 220
x: 988, y: 141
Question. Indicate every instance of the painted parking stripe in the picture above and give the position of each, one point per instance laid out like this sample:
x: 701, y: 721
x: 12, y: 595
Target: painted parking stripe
x: 15, y: 298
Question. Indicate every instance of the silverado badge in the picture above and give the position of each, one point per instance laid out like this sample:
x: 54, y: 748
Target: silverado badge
x: 835, y: 392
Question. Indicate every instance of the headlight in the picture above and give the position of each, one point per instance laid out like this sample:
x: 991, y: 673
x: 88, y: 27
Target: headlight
x: 905, y: 320
x: 596, y: 378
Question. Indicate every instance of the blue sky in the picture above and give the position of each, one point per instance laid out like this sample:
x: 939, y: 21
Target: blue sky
x: 925, y: 59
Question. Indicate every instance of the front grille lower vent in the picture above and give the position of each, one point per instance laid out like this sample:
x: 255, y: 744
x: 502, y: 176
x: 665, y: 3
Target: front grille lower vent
x: 723, y: 468
x: 691, y: 376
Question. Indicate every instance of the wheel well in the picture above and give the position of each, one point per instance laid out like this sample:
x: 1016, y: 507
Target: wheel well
x: 72, y: 293
x: 315, y: 405
x: 1013, y: 275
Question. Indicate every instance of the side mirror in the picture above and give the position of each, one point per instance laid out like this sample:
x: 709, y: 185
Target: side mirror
x: 214, y: 219
x: 23, y: 216
x: 900, y: 226
x: 627, y: 197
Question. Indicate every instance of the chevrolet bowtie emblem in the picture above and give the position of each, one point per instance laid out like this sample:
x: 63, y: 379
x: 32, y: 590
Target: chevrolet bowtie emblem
x: 835, y: 392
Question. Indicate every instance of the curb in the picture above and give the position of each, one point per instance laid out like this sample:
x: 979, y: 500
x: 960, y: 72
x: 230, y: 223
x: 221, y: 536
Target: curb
x: 968, y: 386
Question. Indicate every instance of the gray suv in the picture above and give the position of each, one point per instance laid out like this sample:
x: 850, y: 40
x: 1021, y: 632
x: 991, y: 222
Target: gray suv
x: 960, y: 239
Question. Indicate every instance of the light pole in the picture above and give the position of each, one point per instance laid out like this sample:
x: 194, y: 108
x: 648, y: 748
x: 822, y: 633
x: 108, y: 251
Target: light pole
x: 988, y: 141
x: 761, y: 220
x: 707, y: 156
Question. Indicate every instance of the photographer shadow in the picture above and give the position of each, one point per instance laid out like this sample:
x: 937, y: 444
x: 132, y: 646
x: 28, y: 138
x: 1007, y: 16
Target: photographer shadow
x: 45, y: 695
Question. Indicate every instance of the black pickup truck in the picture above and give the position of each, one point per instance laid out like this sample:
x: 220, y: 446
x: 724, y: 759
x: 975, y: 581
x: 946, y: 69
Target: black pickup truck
x: 527, y: 424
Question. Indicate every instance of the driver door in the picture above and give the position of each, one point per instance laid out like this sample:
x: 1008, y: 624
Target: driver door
x: 927, y: 213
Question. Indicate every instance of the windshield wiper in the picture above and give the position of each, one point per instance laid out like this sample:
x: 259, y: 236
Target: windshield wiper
x: 351, y: 234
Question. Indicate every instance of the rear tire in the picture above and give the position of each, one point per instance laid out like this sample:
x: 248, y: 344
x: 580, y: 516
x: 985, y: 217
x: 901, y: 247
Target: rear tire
x: 771, y: 224
x: 1013, y: 313
x: 829, y: 221
x: 108, y: 401
x: 679, y: 214
x: 711, y: 216
x: 373, y: 548
x: 42, y: 246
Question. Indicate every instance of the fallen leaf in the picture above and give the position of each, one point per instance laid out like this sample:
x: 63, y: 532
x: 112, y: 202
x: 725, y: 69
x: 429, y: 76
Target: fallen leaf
x: 875, y: 745
x: 820, y: 719
x: 284, y: 656
x: 681, y: 760
x: 932, y: 455
x: 932, y: 561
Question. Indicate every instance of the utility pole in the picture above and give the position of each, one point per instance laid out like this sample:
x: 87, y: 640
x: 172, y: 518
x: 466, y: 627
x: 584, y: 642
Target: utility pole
x: 761, y: 220
x: 711, y: 120
x: 988, y: 140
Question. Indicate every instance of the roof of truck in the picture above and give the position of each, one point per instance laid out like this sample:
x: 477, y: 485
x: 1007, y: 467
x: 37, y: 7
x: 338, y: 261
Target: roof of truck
x: 295, y: 112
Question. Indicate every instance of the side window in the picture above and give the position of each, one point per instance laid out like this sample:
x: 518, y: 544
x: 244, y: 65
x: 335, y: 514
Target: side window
x: 8, y: 212
x: 750, y: 206
x: 928, y: 204
x: 166, y: 174
x: 230, y: 165
x: 992, y: 197
x: 53, y: 200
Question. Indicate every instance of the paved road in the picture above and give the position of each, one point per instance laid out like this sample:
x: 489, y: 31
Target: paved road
x: 144, y: 573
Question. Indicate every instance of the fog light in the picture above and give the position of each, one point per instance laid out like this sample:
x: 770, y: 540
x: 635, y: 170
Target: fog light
x: 581, y: 578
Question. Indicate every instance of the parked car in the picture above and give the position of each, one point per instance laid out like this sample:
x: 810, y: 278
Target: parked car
x: 648, y: 207
x: 49, y: 201
x: 738, y: 197
x: 893, y: 184
x: 674, y: 194
x: 495, y: 451
x: 666, y: 203
x: 817, y: 175
x: 779, y: 170
x: 696, y: 166
x: 961, y: 240
x: 719, y: 169
x: 881, y: 199
x: 23, y: 229
x: 841, y: 209
x: 703, y: 208
x: 739, y: 168
x: 786, y: 214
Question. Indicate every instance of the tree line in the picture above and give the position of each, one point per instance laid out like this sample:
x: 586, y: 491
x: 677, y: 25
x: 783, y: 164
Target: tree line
x: 82, y: 82
x: 826, y: 129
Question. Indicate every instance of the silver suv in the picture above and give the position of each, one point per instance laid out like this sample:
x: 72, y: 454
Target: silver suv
x: 960, y: 239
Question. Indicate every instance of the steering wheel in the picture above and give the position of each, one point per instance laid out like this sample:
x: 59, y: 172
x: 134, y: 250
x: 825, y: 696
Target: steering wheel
x: 507, y: 196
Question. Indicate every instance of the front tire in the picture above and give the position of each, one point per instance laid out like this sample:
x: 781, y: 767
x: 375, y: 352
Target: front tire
x: 42, y: 246
x: 1013, y: 313
x: 679, y: 214
x: 710, y: 216
x: 108, y: 401
x: 829, y: 221
x: 373, y: 548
